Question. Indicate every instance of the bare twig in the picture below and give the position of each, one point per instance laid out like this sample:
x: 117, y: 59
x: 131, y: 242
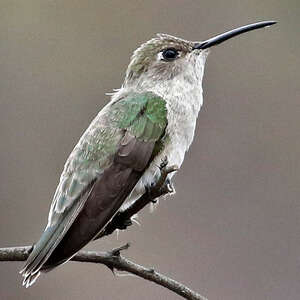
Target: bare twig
x: 114, y: 260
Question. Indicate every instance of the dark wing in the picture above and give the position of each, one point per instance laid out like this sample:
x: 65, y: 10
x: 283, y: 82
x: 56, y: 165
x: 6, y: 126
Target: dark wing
x: 99, y: 175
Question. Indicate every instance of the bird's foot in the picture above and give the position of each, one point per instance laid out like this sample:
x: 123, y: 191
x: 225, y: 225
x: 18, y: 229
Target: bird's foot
x: 163, y: 185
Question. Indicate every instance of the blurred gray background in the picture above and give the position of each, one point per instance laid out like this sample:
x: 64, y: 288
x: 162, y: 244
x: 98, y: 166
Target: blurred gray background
x: 232, y: 229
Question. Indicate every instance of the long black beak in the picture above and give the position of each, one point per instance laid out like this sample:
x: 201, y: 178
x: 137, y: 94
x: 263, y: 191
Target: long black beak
x: 232, y: 33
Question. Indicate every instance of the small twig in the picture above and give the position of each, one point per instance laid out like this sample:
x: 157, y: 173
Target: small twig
x: 123, y: 218
x: 117, y: 251
x: 114, y: 260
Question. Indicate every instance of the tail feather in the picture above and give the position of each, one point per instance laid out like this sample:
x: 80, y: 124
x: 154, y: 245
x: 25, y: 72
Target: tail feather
x: 40, y: 253
x: 49, y: 240
x: 30, y: 279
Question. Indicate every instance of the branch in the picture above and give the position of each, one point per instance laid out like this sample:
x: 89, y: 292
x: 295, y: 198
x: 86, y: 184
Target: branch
x: 113, y: 260
x: 123, y: 218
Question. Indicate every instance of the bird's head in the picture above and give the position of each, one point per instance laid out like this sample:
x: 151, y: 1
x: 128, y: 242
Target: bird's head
x: 165, y: 57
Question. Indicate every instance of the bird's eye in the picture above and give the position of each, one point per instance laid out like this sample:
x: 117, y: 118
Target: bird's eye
x: 169, y: 54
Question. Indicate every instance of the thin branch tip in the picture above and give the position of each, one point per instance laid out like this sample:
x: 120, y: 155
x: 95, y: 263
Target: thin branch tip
x: 117, y: 251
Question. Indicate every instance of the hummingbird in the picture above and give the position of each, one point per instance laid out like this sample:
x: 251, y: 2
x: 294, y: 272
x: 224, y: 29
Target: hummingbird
x: 151, y: 117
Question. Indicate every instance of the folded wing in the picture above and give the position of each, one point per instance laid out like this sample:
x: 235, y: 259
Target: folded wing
x: 98, y: 176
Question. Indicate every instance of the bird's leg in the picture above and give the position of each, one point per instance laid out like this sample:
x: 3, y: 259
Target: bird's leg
x: 164, y: 185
